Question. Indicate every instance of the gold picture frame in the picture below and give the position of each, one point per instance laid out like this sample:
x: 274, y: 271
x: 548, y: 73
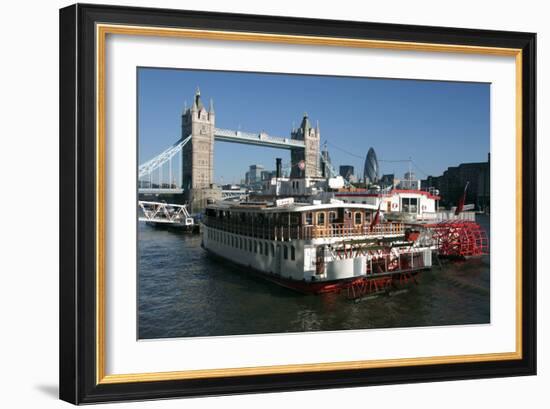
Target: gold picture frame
x: 99, y: 21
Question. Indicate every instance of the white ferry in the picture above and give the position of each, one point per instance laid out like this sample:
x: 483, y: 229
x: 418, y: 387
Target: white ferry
x: 407, y: 204
x: 301, y: 236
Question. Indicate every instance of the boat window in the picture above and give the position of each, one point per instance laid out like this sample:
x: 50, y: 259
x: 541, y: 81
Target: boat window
x: 409, y: 204
x: 414, y: 205
x: 266, y: 250
x: 358, y: 218
x: 320, y: 219
x: 272, y: 250
x: 285, y: 252
x: 332, y: 217
x: 292, y: 253
x: 255, y: 246
x: 250, y: 245
x: 309, y: 218
x: 405, y: 204
x: 261, y: 250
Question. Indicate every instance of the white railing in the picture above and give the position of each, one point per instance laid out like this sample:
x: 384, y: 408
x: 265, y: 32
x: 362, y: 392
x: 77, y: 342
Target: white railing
x: 446, y: 215
x: 159, y: 212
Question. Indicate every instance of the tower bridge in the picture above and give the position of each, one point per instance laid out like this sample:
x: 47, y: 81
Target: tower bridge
x: 195, y: 151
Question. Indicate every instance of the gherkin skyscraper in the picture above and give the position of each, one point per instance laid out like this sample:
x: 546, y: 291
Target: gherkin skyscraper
x: 372, y: 170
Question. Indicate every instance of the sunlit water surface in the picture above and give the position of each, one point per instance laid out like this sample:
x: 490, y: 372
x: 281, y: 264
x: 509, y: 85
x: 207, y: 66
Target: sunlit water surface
x: 183, y: 292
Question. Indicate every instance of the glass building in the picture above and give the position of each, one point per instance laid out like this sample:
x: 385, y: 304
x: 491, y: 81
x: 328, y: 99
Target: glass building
x: 347, y: 172
x: 371, y: 171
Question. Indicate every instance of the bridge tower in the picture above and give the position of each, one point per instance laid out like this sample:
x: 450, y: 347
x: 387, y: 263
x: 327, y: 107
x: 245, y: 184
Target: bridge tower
x: 310, y: 155
x: 198, y: 154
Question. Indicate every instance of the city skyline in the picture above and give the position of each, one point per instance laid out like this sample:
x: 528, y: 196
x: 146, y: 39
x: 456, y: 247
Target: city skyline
x: 436, y: 124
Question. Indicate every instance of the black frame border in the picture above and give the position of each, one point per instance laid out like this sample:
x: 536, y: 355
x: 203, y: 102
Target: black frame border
x: 78, y: 210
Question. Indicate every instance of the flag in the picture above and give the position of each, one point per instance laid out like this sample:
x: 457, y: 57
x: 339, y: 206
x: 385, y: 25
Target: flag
x: 376, y: 219
x: 461, y: 201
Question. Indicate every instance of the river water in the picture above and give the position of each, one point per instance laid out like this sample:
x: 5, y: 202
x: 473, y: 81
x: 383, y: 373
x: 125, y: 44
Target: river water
x: 182, y: 292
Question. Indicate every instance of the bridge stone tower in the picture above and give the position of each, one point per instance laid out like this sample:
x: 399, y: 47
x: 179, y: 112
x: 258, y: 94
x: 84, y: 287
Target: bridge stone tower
x: 198, y: 153
x: 310, y: 155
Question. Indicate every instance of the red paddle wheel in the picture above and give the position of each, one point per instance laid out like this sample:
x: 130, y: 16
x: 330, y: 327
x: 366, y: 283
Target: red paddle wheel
x: 460, y: 238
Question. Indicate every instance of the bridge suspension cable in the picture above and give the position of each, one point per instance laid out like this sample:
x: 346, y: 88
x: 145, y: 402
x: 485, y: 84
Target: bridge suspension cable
x: 151, y: 165
x: 332, y: 173
x: 410, y: 161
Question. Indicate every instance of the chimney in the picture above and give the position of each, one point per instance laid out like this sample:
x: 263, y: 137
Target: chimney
x: 278, y: 167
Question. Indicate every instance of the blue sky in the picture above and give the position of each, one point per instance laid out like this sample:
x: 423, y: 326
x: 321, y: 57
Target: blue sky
x: 437, y: 124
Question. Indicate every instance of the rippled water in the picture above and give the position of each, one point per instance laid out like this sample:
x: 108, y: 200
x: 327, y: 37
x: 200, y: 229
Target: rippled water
x: 183, y: 292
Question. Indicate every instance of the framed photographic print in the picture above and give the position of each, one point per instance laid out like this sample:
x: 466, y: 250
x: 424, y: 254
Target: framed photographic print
x: 257, y: 203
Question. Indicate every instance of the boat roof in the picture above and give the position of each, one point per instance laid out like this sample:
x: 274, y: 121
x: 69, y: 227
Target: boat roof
x: 293, y: 207
x: 393, y: 192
